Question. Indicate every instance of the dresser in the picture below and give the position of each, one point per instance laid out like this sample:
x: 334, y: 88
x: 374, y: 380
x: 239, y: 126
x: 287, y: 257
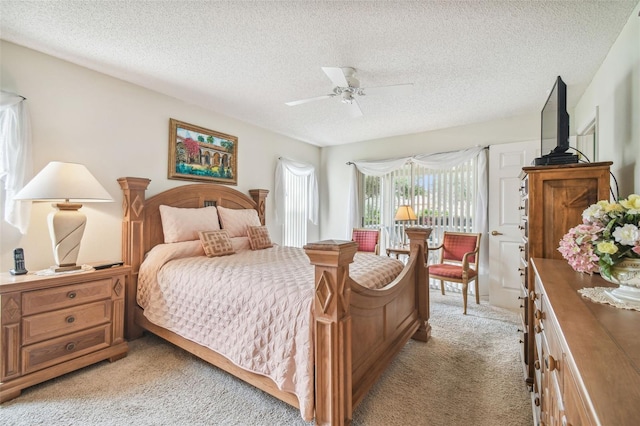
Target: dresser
x: 587, y: 363
x: 52, y: 325
x: 552, y: 201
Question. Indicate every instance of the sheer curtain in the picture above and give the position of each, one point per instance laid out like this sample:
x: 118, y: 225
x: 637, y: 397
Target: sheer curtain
x: 298, y: 169
x: 15, y: 157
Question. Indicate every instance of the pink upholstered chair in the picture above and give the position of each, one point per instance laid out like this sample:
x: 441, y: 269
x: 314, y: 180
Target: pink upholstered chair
x: 458, y: 262
x: 367, y: 239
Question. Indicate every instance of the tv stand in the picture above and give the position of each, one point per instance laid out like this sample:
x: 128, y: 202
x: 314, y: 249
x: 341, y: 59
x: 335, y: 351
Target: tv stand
x: 556, y: 158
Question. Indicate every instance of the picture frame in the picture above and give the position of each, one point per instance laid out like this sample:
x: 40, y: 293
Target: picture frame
x: 200, y: 154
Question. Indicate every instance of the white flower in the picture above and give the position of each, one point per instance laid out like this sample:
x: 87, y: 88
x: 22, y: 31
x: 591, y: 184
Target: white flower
x: 628, y: 234
x: 594, y: 211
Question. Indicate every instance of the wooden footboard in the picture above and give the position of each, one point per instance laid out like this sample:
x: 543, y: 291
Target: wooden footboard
x: 358, y: 331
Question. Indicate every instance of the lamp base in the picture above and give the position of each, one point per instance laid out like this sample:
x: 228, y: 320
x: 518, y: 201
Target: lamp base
x: 65, y: 268
x: 66, y: 226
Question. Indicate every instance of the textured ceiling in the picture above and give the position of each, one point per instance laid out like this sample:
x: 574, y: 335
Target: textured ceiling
x: 469, y: 61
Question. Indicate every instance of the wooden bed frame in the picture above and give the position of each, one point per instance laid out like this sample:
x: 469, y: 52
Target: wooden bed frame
x: 358, y: 331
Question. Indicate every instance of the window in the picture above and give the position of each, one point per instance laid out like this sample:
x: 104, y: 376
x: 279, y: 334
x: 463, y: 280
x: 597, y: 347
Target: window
x: 443, y: 199
x: 294, y: 230
x: 296, y: 200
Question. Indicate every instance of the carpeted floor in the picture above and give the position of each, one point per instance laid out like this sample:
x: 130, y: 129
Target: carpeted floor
x: 469, y: 373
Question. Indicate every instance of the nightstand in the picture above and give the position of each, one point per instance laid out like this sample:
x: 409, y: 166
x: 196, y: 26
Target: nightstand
x: 52, y: 325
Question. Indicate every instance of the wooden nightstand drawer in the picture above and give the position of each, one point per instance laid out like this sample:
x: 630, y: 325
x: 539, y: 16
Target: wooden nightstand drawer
x: 41, y: 355
x: 48, y: 325
x: 37, y: 301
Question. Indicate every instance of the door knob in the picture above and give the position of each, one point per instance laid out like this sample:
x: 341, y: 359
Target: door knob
x: 494, y: 233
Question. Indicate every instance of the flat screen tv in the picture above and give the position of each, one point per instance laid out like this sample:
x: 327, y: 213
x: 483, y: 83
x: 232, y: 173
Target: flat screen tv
x: 554, y: 139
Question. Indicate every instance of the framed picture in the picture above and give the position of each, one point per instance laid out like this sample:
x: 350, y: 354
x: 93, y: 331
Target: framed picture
x: 196, y: 153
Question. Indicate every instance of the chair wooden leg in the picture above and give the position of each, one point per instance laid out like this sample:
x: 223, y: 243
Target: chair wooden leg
x: 465, y: 287
x: 477, y: 294
x: 442, y: 287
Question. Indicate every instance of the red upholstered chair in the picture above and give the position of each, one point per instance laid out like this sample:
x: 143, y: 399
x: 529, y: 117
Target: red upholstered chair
x: 367, y: 239
x: 458, y: 262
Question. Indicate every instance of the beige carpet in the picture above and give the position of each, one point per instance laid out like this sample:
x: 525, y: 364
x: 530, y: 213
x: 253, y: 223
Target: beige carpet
x: 469, y: 373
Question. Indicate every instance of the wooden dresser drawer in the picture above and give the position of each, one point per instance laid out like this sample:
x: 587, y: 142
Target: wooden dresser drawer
x: 45, y: 354
x: 575, y: 409
x: 36, y: 328
x: 37, y: 301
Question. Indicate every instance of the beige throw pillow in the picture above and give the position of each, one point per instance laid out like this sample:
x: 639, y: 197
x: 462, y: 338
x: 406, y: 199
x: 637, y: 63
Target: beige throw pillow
x: 216, y: 243
x: 259, y: 237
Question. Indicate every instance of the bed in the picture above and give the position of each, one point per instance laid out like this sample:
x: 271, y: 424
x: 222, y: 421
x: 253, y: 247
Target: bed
x: 355, y: 330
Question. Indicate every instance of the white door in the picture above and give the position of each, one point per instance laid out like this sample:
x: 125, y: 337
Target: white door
x: 505, y: 238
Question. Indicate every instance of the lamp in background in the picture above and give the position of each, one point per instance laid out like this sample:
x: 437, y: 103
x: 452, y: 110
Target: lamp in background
x: 404, y: 214
x: 71, y: 184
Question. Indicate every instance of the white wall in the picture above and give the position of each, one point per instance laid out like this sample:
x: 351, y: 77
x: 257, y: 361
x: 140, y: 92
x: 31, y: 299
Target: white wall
x: 118, y: 129
x: 615, y: 91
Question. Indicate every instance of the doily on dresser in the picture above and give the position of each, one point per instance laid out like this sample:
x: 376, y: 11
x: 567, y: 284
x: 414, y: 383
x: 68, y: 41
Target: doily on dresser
x: 601, y: 295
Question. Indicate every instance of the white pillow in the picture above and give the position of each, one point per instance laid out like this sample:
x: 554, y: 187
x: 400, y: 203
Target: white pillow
x: 237, y: 221
x: 183, y: 224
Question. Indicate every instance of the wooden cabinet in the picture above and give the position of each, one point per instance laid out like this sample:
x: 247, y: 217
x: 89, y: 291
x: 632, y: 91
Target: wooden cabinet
x: 588, y: 354
x: 51, y: 325
x: 552, y: 201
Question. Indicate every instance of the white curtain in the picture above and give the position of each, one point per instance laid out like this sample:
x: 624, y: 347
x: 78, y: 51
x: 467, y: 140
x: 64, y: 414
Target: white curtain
x: 15, y: 157
x: 298, y: 169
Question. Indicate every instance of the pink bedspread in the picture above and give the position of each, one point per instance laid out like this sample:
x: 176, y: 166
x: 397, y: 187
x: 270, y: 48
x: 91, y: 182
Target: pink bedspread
x: 253, y: 307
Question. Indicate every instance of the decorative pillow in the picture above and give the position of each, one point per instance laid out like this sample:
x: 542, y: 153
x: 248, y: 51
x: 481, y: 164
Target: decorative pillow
x: 236, y: 221
x: 183, y: 224
x: 259, y: 237
x: 216, y: 243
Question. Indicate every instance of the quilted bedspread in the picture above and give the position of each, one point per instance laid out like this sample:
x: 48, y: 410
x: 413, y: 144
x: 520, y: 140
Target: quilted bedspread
x: 253, y: 307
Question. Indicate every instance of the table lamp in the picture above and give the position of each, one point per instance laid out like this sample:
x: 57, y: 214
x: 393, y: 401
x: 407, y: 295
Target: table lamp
x: 71, y: 184
x: 404, y: 214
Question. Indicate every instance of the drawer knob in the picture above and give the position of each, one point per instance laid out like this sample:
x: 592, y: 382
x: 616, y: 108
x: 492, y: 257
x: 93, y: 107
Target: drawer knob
x: 532, y: 295
x: 71, y: 295
x: 551, y: 363
x: 538, y: 314
x: 537, y: 401
x: 538, y: 329
x: 537, y: 364
x: 70, y: 319
x: 70, y: 346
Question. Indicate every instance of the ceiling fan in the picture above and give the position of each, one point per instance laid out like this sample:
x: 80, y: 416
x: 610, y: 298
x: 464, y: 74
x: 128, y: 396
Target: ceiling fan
x: 347, y: 87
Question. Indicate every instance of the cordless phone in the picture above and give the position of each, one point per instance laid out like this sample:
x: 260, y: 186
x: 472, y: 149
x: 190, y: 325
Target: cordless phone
x: 18, y: 258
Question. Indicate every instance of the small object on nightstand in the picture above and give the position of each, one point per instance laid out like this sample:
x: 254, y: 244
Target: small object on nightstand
x: 18, y: 259
x: 105, y: 265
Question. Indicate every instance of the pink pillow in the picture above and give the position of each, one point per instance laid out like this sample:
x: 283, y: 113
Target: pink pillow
x: 236, y: 221
x: 216, y: 243
x: 183, y: 224
x: 259, y: 237
x: 240, y: 243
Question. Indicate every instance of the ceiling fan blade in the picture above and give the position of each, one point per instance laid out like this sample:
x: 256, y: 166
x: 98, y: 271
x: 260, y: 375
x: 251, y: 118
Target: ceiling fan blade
x: 336, y: 75
x: 399, y: 89
x: 354, y: 109
x: 304, y: 101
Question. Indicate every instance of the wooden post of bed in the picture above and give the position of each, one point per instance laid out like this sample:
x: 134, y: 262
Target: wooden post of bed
x: 133, y: 190
x: 332, y: 330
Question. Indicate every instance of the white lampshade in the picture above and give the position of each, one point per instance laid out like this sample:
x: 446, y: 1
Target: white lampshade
x: 70, y: 184
x: 64, y: 181
x: 405, y: 212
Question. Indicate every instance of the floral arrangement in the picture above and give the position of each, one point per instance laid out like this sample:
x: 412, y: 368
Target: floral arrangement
x: 610, y: 233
